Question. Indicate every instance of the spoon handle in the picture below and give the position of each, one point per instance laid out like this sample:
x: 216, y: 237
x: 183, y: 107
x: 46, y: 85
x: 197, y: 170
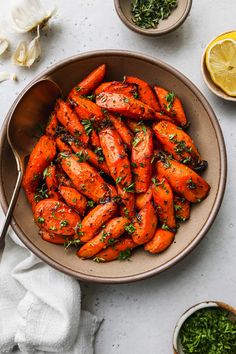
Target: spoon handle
x: 11, y: 206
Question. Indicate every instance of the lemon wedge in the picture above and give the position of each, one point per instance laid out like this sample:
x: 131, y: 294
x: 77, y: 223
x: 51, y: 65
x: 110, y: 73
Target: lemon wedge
x: 221, y: 62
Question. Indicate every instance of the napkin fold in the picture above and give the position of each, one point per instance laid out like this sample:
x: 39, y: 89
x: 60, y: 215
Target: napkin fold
x: 40, y: 308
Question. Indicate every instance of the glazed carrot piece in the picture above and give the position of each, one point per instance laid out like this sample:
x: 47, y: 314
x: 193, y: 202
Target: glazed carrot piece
x: 182, y: 208
x: 55, y: 216
x: 121, y: 249
x: 134, y: 126
x: 52, y: 182
x: 113, y: 230
x: 88, y: 155
x: 74, y: 199
x: 87, y: 85
x: 102, y: 87
x: 127, y: 207
x: 112, y: 189
x: 162, y: 116
x: 146, y: 95
x: 164, y: 200
x: 183, y: 180
x: 171, y: 105
x: 141, y: 156
x: 95, y: 219
x: 85, y: 178
x: 129, y: 90
x: 179, y: 144
x: 70, y: 121
x: 124, y: 132
x: 143, y: 198
x: 126, y: 106
x: 52, y: 238
x: 62, y: 178
x: 160, y: 242
x: 115, y: 156
x: 94, y: 140
x: 41, y: 156
x: 62, y: 147
x: 145, y: 224
x: 87, y: 110
x: 52, y: 125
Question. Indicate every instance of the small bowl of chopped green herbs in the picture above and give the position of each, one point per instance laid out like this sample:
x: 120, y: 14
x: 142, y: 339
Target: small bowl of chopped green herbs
x: 206, y: 328
x: 153, y: 17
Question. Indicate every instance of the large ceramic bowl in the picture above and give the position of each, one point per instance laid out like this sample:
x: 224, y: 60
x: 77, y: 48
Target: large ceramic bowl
x: 204, y: 129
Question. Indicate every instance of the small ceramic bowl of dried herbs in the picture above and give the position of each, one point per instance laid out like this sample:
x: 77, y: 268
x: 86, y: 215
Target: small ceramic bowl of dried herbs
x: 153, y: 17
x: 206, y: 328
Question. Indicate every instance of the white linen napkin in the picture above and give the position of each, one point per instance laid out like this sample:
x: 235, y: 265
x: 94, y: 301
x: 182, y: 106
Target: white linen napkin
x: 40, y: 307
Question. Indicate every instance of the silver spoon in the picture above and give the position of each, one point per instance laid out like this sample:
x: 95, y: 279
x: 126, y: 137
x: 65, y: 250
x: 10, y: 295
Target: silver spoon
x: 31, y: 112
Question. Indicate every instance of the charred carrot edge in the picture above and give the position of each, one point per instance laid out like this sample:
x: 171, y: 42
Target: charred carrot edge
x: 115, y: 156
x: 113, y: 230
x: 85, y: 178
x: 146, y: 95
x: 74, y: 199
x: 130, y: 90
x: 55, y: 216
x: 143, y: 198
x: 87, y: 110
x: 182, y: 208
x: 145, y: 225
x: 52, y: 182
x: 162, y: 116
x: 52, y: 125
x: 62, y: 147
x: 89, y: 83
x: 120, y: 249
x: 141, y: 156
x: 124, y: 132
x: 160, y: 242
x: 171, y: 105
x: 127, y: 106
x: 164, y: 200
x: 95, y: 219
x: 71, y: 122
x: 183, y: 180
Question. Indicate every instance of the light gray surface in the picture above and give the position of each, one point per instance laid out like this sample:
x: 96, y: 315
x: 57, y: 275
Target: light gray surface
x: 140, y: 317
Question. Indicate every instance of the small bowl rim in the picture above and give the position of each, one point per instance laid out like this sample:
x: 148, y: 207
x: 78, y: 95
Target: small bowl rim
x: 216, y: 90
x: 191, y: 310
x: 152, y: 32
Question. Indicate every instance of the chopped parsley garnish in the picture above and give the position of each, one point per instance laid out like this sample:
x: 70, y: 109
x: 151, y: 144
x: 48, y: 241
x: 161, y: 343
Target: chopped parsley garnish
x: 63, y: 223
x: 91, y: 203
x: 170, y: 97
x: 136, y: 95
x: 130, y: 188
x: 40, y: 220
x: 42, y: 193
x: 165, y: 227
x: 118, y: 180
x: 130, y: 228
x: 177, y: 207
x: 133, y: 164
x: 98, y: 259
x: 191, y: 184
x: 75, y: 243
x: 123, y: 255
x: 82, y: 156
x: 104, y: 236
x: 88, y: 126
x: 111, y: 241
x: 135, y: 142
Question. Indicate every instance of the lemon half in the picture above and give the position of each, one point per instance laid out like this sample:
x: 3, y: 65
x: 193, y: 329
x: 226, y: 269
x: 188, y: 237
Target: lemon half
x: 221, y: 62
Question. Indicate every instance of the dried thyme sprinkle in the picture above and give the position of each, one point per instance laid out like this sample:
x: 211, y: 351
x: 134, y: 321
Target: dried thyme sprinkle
x: 209, y: 331
x: 148, y: 13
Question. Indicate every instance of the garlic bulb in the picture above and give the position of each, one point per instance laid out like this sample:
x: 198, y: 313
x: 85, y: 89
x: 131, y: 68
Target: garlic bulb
x: 3, y: 45
x: 27, y: 53
x: 4, y: 75
x: 26, y: 15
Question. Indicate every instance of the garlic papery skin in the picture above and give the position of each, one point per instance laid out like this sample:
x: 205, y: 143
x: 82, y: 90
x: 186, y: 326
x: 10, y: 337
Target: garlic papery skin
x: 26, y: 15
x: 4, y: 75
x: 3, y: 45
x: 26, y: 53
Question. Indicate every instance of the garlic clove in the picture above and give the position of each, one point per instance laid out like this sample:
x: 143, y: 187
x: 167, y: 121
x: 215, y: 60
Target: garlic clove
x: 3, y: 45
x: 4, y: 75
x: 26, y: 53
x: 26, y: 15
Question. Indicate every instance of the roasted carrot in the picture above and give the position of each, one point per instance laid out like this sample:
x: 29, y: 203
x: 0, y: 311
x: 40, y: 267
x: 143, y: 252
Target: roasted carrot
x: 41, y: 156
x: 63, y: 179
x: 52, y: 182
x: 160, y: 242
x: 127, y: 106
x: 113, y: 230
x: 171, y: 105
x: 179, y: 144
x: 71, y: 122
x: 112, y: 189
x: 52, y: 125
x: 74, y: 199
x: 87, y: 85
x: 164, y: 200
x: 87, y: 110
x: 115, y: 156
x: 95, y: 219
x: 162, y: 116
x: 145, y: 224
x: 145, y: 93
x: 134, y: 126
x: 121, y: 250
x: 94, y: 139
x: 130, y: 90
x: 85, y: 178
x: 55, y: 216
x: 141, y: 156
x: 127, y: 207
x: 102, y: 87
x: 85, y: 154
x: 183, y: 180
x: 182, y: 208
x: 124, y: 132
x: 62, y: 147
x: 143, y: 198
x: 52, y: 238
